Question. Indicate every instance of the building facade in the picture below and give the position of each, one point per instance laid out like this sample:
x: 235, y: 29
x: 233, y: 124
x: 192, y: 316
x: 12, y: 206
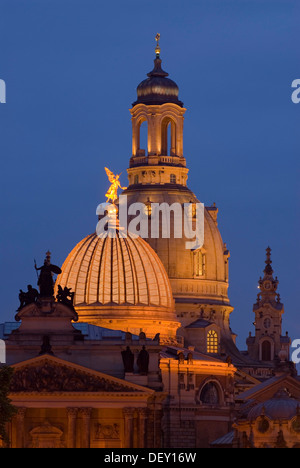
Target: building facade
x: 133, y: 348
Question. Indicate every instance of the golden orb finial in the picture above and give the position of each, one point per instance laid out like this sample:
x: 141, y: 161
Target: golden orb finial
x: 157, y: 48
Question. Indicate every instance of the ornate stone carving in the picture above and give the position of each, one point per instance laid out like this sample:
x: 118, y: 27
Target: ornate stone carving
x: 86, y: 412
x: 103, y: 431
x: 49, y: 377
x: 72, y: 412
x: 46, y: 436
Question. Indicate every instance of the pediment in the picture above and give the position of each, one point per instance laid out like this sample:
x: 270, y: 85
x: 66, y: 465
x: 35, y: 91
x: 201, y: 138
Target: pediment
x: 48, y: 374
x: 267, y: 389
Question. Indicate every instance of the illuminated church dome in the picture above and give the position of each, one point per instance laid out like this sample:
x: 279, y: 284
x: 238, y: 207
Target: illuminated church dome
x: 157, y: 88
x: 120, y: 283
x: 158, y: 174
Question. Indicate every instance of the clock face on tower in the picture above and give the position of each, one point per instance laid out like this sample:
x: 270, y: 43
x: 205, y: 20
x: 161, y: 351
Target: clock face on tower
x: 267, y: 285
x: 267, y: 322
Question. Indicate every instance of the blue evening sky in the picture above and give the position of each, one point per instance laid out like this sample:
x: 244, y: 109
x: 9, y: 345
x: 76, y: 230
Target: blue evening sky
x: 71, y: 68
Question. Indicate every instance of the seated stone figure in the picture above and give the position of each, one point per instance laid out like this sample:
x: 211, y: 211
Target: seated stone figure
x: 28, y: 297
x: 65, y: 296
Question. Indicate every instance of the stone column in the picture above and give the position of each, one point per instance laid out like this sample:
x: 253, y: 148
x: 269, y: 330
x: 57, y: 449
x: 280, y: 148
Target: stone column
x: 128, y: 414
x: 143, y: 415
x: 20, y: 428
x: 158, y: 429
x: 86, y: 427
x: 72, y: 416
x: 155, y: 425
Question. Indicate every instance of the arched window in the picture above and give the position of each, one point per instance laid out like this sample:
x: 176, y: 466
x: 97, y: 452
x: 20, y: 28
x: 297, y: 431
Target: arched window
x: 172, y: 179
x: 266, y: 351
x: 212, y: 342
x: 136, y: 179
x: 142, y: 138
x: 199, y: 260
x: 168, y: 137
x: 210, y: 394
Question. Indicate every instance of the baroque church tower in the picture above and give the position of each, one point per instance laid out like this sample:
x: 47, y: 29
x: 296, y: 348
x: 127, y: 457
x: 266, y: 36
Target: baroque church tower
x: 268, y: 343
x: 158, y: 174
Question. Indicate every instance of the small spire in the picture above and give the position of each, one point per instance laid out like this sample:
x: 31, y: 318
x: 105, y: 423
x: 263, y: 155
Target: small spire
x: 268, y: 254
x: 157, y: 48
x: 268, y: 269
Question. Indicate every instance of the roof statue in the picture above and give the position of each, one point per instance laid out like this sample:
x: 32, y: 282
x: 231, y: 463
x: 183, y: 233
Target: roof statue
x: 65, y: 296
x: 111, y: 194
x: 29, y: 297
x: 143, y: 361
x: 45, y: 280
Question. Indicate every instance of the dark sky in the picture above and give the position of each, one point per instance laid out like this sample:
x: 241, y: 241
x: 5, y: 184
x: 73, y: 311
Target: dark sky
x: 71, y: 68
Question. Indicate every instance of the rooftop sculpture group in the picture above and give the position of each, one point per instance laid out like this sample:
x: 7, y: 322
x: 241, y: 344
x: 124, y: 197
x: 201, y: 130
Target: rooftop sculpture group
x: 46, y: 286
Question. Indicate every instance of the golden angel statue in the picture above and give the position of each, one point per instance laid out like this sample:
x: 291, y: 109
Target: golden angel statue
x: 115, y: 184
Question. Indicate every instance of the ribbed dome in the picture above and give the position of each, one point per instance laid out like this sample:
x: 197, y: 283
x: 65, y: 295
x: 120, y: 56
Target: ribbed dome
x: 116, y: 271
x: 121, y: 284
x: 157, y: 89
x: 281, y: 406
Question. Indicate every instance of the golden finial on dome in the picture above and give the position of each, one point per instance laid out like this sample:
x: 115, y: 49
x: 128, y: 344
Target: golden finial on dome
x: 157, y: 48
x: 112, y: 193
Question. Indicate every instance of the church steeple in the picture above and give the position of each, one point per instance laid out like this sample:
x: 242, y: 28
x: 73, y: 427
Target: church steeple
x: 158, y: 109
x: 268, y: 344
x: 268, y: 284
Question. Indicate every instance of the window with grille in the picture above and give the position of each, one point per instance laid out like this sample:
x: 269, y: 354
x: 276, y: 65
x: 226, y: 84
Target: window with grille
x: 212, y: 342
